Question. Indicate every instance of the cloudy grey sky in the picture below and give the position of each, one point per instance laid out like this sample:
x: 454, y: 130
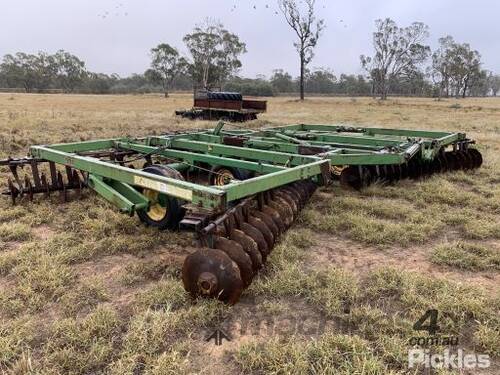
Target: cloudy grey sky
x: 114, y: 36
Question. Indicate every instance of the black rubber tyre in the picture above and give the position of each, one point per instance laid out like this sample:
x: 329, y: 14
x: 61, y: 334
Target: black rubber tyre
x: 166, y: 212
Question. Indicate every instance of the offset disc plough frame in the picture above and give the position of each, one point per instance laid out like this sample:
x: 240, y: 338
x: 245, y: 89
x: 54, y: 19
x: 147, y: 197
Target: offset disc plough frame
x: 238, y: 190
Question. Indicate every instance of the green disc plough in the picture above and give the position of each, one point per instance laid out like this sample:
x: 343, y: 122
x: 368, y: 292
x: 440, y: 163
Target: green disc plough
x: 239, y: 190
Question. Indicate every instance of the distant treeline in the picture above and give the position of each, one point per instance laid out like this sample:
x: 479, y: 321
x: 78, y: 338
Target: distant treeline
x: 398, y: 67
x: 63, y: 72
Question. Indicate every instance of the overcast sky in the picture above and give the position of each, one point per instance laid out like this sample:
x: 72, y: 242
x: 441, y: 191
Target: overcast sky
x: 115, y: 36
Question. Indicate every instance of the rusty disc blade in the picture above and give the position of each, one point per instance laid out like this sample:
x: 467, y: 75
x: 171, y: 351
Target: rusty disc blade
x: 443, y: 163
x: 302, y: 191
x: 257, y: 236
x: 264, y: 229
x: 275, y: 215
x: 404, y: 171
x: 294, y: 193
x: 415, y: 169
x: 211, y: 273
x: 476, y: 156
x: 269, y: 222
x: 249, y: 246
x: 461, y: 160
x: 309, y: 186
x: 436, y: 165
x: 468, y: 160
x: 234, y: 250
x: 350, y: 178
x: 294, y: 205
x: 451, y: 161
x: 284, y: 210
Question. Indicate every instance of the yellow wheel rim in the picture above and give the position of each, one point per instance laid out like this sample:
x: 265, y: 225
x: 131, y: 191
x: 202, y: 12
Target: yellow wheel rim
x: 158, y: 206
x: 337, y: 169
x: 223, y: 176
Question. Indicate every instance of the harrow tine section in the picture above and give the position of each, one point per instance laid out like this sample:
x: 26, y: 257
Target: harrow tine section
x: 38, y: 183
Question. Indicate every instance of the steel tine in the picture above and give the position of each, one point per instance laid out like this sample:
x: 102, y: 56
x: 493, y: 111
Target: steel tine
x: 13, y: 170
x: 45, y: 186
x: 36, y: 175
x: 62, y: 192
x: 53, y: 174
x: 28, y: 188
x: 78, y: 183
x: 14, y: 192
x: 69, y: 175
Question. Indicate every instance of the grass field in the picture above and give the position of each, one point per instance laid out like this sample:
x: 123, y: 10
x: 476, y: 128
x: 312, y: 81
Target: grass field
x: 85, y: 290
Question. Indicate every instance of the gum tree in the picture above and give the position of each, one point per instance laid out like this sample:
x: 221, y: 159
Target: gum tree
x: 398, y: 53
x: 307, y: 29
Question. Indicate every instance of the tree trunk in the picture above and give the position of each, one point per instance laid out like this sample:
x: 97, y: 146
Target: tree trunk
x: 466, y: 84
x: 302, y: 68
x: 165, y: 89
x: 384, y: 88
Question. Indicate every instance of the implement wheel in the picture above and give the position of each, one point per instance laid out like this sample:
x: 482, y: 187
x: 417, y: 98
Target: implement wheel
x: 220, y: 176
x: 165, y: 212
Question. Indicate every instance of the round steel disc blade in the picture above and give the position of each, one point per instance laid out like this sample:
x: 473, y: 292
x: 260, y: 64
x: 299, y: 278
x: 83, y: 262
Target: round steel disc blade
x: 367, y: 177
x: 211, y: 273
x: 390, y: 175
x: 264, y: 229
x: 294, y: 205
x: 250, y: 247
x: 293, y: 192
x: 451, y: 161
x: 257, y: 236
x: 397, y: 172
x: 234, y: 250
x: 468, y: 160
x: 275, y: 215
x: 436, y: 165
x: 350, y: 178
x: 461, y: 161
x: 287, y: 210
x: 404, y: 171
x: 379, y: 173
x: 302, y: 190
x: 426, y: 168
x: 417, y: 169
x: 310, y: 186
x: 269, y: 222
x: 443, y: 162
x: 478, y: 157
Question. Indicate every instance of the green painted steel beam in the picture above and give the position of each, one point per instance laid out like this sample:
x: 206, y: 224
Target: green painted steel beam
x: 139, y: 200
x: 239, y: 152
x: 203, y: 196
x: 238, y: 190
x: 113, y: 196
x: 102, y: 144
x: 192, y: 158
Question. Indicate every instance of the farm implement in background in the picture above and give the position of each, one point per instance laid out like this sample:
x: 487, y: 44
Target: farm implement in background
x: 238, y: 190
x: 217, y: 105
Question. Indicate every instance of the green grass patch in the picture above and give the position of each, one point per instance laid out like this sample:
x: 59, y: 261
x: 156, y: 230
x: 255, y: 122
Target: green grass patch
x: 329, y: 354
x: 85, y: 296
x: 167, y: 294
x: 413, y: 294
x: 39, y: 278
x: 16, y: 337
x: 83, y: 346
x: 466, y: 256
x: 14, y: 232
